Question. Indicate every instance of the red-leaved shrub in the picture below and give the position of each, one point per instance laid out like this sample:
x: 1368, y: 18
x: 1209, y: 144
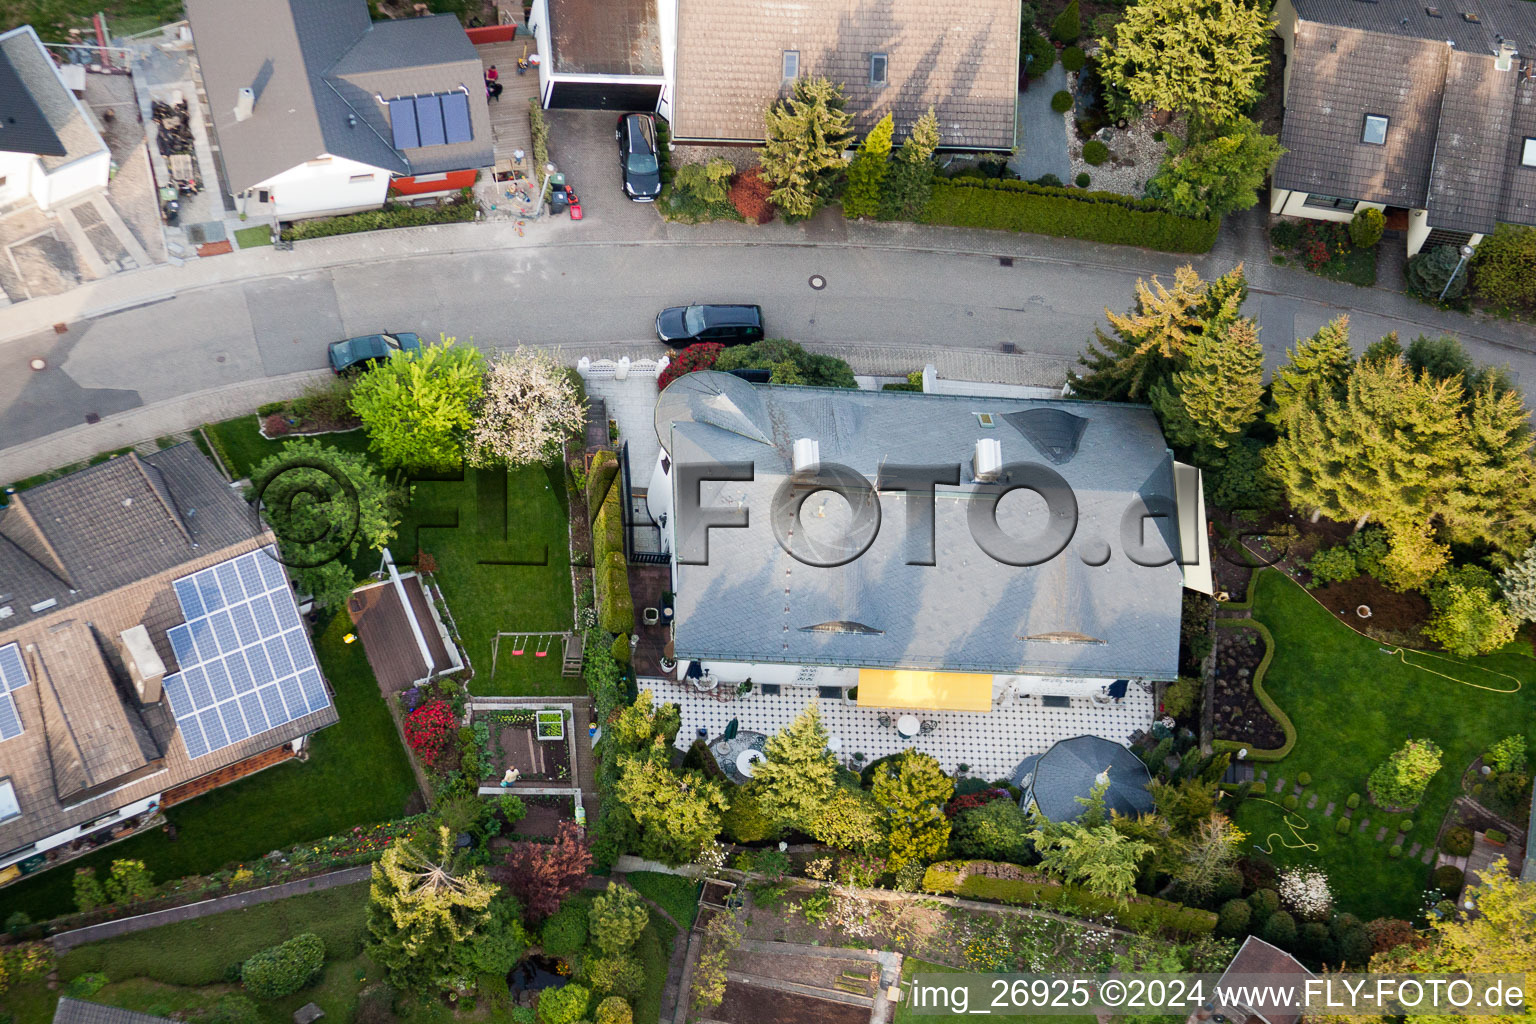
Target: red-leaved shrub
x: 428, y: 730
x: 275, y: 425
x: 695, y: 357
x: 965, y: 803
x: 749, y: 194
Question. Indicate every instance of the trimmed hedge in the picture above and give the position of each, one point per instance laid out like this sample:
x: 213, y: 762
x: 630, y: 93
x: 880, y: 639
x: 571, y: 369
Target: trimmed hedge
x: 284, y: 969
x: 615, y: 605
x: 1008, y: 205
x: 460, y: 208
x: 605, y: 467
x: 1344, y: 825
x: 1265, y: 699
x: 1141, y: 914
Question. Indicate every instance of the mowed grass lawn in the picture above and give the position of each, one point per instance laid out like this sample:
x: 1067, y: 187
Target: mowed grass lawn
x: 1354, y: 704
x: 982, y: 1008
x: 357, y: 773
x: 503, y: 561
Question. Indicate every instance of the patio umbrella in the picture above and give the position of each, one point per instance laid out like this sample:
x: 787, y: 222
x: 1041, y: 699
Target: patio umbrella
x: 730, y: 729
x: 1117, y: 688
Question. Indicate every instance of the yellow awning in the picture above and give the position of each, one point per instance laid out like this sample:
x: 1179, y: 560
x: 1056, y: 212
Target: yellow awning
x: 928, y: 691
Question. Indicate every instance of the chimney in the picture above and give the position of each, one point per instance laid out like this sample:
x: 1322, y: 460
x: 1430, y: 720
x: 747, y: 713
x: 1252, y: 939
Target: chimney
x: 988, y: 460
x: 807, y: 456
x: 1505, y: 59
x: 144, y: 665
x: 245, y: 103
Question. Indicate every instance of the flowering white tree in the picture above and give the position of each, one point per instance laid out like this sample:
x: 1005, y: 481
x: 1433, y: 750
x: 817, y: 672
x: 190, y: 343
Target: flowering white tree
x: 1306, y: 891
x: 528, y: 405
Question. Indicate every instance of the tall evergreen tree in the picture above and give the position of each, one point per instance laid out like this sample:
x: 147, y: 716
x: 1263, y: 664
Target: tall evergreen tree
x: 796, y: 776
x: 677, y: 813
x: 909, y: 177
x: 423, y: 909
x: 1220, y: 387
x: 803, y: 155
x: 867, y: 172
x: 911, y: 792
x: 1316, y: 368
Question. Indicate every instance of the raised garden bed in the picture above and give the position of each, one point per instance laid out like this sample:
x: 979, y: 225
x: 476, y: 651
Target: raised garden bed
x: 551, y: 725
x: 516, y: 742
x: 1238, y: 714
x: 754, y: 1004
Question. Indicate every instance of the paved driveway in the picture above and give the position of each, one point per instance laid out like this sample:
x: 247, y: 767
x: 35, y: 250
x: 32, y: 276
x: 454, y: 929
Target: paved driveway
x: 581, y: 144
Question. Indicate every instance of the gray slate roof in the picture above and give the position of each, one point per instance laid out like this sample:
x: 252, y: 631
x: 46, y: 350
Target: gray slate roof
x: 78, y: 1011
x: 87, y: 745
x: 314, y: 64
x: 961, y: 59
x: 39, y: 114
x: 753, y: 602
x: 1053, y: 781
x: 1457, y: 123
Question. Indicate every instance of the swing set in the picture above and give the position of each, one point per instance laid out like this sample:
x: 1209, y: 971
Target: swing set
x: 537, y: 644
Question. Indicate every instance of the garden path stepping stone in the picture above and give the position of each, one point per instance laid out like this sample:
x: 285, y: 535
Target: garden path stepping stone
x: 307, y: 1014
x: 1381, y: 833
x: 1429, y: 855
x: 1415, y: 851
x: 1364, y: 822
x: 1298, y: 789
x: 1264, y: 774
x: 1279, y: 786
x: 1327, y: 811
x: 1312, y: 801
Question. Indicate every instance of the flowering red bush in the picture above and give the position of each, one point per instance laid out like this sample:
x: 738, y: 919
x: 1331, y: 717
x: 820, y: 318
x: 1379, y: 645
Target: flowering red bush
x: 1315, y: 253
x: 749, y: 194
x: 695, y: 357
x: 429, y: 730
x: 965, y: 803
x: 275, y: 425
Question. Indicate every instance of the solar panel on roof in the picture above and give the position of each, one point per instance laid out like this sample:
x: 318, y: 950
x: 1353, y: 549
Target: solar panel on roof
x: 456, y: 117
x: 240, y: 653
x: 10, y: 721
x: 13, y: 676
x: 429, y: 120
x: 402, y: 120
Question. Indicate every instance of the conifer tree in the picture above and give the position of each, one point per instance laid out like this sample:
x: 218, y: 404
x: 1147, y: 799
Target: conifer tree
x: 911, y: 792
x: 909, y: 176
x: 867, y: 172
x: 1316, y: 368
x: 796, y: 776
x: 1221, y: 386
x: 423, y: 908
x: 803, y: 154
x: 1518, y: 583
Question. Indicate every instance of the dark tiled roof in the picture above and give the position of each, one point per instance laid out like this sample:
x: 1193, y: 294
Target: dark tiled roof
x: 1496, y: 19
x: 1519, y: 206
x: 1470, y: 147
x: 52, y: 124
x: 1070, y: 768
x: 78, y: 1011
x: 26, y: 127
x: 960, y: 59
x: 1257, y: 960
x: 605, y: 37
x: 1338, y: 76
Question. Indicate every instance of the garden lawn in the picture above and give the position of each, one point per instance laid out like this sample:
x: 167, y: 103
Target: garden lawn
x: 241, y: 445
x: 653, y: 949
x: 675, y: 894
x: 1357, y: 267
x: 906, y: 1015
x: 356, y: 774
x: 503, y: 555
x: 250, y: 238
x: 1353, y: 704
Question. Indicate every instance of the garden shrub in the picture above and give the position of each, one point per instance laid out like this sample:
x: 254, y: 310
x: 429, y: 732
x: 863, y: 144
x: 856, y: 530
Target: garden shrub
x: 129, y: 882
x: 1507, y: 755
x: 1399, y: 781
x: 1280, y: 929
x: 393, y: 215
x: 1305, y: 778
x: 539, y: 128
x: 1370, y: 547
x: 1342, y: 826
x: 1033, y: 44
x: 783, y: 357
x: 1065, y: 213
x: 996, y: 830
x: 1333, y: 565
x: 1494, y: 835
x: 1286, y: 234
x: 88, y: 891
x: 1470, y: 616
x: 1083, y: 180
x: 1061, y: 102
x: 613, y: 1010
x: 1291, y: 801
x: 619, y: 974
x: 1449, y: 879
x: 1264, y: 903
x: 603, y: 472
x: 1504, y: 268
x: 1395, y: 851
x: 1067, y: 26
x: 1457, y: 841
x: 1366, y: 227
x: 284, y: 969
x: 429, y: 730
x: 1353, y: 801
x: 1233, y: 919
x: 564, y: 1005
x: 524, y: 1014
x: 1073, y: 59
x: 1095, y: 152
x: 695, y: 357
x: 85, y: 985
x: 620, y: 648
x: 1406, y: 825
x: 566, y: 930
x: 749, y: 194
x: 1181, y: 697
x: 1429, y: 271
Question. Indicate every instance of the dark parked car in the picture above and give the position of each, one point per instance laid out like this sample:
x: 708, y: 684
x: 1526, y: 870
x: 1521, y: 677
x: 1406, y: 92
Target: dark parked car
x: 638, y: 165
x: 727, y: 325
x: 361, y: 353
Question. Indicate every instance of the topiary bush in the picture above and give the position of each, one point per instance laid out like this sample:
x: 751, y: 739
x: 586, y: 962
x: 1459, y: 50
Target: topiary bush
x: 1353, y: 801
x: 614, y: 1010
x: 1280, y: 929
x: 565, y: 932
x: 1365, y: 230
x: 564, y: 1005
x: 1234, y: 917
x: 1083, y: 179
x: 1095, y: 152
x: 1305, y: 778
x: 1061, y: 102
x: 1291, y: 801
x: 1067, y: 26
x: 1073, y: 59
x: 1343, y: 826
x: 1263, y: 902
x: 1449, y: 879
x: 284, y: 969
x: 1406, y: 825
x: 1457, y: 841
x: 1395, y: 851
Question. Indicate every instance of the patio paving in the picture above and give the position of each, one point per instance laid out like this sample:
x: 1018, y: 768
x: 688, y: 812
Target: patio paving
x: 992, y: 744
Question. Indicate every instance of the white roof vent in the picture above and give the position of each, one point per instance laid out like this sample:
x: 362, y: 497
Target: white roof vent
x: 988, y: 460
x: 245, y: 103
x: 807, y: 456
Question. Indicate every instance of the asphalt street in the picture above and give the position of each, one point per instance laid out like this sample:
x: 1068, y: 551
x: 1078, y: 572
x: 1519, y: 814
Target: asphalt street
x: 593, y: 298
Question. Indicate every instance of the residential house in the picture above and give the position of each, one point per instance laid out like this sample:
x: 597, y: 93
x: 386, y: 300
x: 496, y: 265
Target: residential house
x: 1425, y: 112
x: 150, y: 649
x: 318, y: 110
x: 1259, y: 971
x: 889, y: 602
x: 712, y: 67
x: 50, y: 148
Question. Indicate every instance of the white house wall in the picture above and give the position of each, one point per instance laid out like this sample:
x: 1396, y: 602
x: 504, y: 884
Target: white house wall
x: 666, y: 23
x: 326, y: 186
x: 71, y: 834
x: 75, y: 178
x: 17, y: 170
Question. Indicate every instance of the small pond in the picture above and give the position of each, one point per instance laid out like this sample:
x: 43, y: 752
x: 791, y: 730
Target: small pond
x: 535, y: 973
x: 1088, y: 102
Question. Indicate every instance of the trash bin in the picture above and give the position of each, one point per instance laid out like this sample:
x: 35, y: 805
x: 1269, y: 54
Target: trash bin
x: 559, y: 199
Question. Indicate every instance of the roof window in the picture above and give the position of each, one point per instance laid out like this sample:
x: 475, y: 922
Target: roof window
x: 879, y: 66
x: 9, y: 808
x: 1375, y: 131
x: 1433, y: 12
x: 791, y: 64
x: 1468, y: 16
x: 1528, y: 154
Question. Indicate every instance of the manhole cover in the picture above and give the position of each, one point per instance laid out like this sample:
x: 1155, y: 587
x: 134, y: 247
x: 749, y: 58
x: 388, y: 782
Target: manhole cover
x: 92, y: 417
x: 818, y: 282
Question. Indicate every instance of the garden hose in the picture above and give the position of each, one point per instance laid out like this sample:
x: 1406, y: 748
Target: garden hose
x: 1290, y: 818
x: 1403, y: 656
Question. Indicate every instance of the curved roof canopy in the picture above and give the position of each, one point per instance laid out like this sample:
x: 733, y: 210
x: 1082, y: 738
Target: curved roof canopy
x: 1053, y: 781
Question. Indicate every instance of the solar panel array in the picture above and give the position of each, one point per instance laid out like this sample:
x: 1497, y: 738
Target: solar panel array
x: 439, y: 119
x: 245, y: 663
x: 13, y: 676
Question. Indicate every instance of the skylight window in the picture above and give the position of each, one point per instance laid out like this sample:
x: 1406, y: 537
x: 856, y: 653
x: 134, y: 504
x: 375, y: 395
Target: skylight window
x: 1375, y: 131
x: 879, y: 66
x: 9, y: 808
x: 791, y: 64
x: 1528, y: 154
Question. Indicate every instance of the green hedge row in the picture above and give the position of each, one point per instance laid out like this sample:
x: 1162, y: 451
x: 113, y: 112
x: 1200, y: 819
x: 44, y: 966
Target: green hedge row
x: 1066, y: 213
x: 460, y: 208
x: 1140, y: 914
x: 1264, y: 698
x: 615, y: 606
x: 605, y: 467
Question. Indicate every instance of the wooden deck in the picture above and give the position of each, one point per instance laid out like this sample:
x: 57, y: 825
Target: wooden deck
x: 509, y: 115
x: 387, y: 638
